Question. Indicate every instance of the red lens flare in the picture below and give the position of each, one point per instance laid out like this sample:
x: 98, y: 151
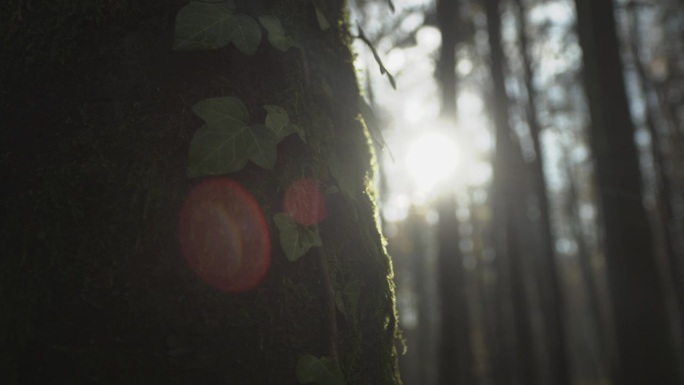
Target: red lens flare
x: 304, y: 202
x: 224, y: 235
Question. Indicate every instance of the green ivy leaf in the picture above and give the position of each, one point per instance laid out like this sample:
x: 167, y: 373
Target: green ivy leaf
x: 371, y: 122
x: 202, y: 25
x: 322, y: 371
x: 322, y: 21
x: 296, y: 239
x: 347, y: 300
x: 348, y: 182
x: 228, y: 140
x: 352, y: 293
x: 224, y: 110
x: 276, y: 34
x: 278, y: 120
x: 245, y: 34
x: 320, y: 6
x: 339, y: 301
x: 206, y: 25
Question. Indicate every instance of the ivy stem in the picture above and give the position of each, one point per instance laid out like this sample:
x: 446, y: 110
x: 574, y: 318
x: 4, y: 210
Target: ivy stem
x: 330, y: 308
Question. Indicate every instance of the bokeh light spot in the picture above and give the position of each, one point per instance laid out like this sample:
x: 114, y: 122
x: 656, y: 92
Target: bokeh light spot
x: 304, y: 202
x: 224, y: 236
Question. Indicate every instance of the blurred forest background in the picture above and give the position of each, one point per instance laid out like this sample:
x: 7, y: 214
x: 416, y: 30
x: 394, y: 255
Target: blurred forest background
x: 533, y: 186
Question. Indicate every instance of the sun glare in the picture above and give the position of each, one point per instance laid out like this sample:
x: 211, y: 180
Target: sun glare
x: 430, y: 159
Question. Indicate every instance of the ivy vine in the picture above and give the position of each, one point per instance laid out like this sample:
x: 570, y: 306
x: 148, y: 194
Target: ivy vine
x: 229, y: 139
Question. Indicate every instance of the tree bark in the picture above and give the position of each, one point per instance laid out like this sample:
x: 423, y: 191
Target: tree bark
x: 94, y: 146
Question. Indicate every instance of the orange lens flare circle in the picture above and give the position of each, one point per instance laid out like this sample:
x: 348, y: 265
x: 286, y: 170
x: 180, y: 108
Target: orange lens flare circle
x: 224, y: 236
x: 304, y: 202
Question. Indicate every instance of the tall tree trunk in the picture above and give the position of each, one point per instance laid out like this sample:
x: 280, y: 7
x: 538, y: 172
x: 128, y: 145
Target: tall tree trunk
x: 507, y: 196
x: 603, y: 340
x: 94, y: 145
x: 644, y: 346
x: 550, y: 285
x: 455, y: 354
x: 448, y: 18
x: 663, y: 217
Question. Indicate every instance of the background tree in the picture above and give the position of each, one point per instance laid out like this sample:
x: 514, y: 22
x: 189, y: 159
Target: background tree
x: 455, y: 355
x: 553, y: 302
x: 644, y: 347
x: 508, y: 194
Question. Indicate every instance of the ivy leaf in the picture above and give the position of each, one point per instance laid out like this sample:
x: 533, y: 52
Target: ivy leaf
x: 348, y: 182
x: 245, y: 34
x: 276, y: 34
x: 278, y: 120
x: 220, y: 150
x: 296, y: 239
x: 373, y: 125
x: 322, y: 371
x: 320, y: 17
x: 352, y: 293
x: 224, y: 110
x: 227, y: 141
x: 201, y: 25
x: 347, y: 300
x: 339, y: 301
x: 371, y: 122
x: 204, y: 25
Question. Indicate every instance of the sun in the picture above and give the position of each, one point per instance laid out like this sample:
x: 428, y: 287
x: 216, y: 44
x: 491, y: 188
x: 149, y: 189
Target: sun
x: 431, y: 159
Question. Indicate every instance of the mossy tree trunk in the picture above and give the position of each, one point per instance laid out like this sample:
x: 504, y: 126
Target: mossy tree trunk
x: 96, y: 126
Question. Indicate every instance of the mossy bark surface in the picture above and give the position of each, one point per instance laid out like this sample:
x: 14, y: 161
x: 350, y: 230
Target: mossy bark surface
x: 95, y: 136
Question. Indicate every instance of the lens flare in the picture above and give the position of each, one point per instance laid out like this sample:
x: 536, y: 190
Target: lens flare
x: 224, y: 236
x: 304, y: 202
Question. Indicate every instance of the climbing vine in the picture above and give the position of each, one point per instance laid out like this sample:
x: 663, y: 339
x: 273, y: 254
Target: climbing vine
x: 230, y: 138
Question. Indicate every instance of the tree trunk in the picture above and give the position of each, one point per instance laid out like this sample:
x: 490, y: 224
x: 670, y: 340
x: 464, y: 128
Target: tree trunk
x: 550, y: 285
x: 97, y: 123
x: 455, y: 355
x: 603, y: 341
x: 644, y: 346
x: 663, y: 216
x: 507, y: 196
